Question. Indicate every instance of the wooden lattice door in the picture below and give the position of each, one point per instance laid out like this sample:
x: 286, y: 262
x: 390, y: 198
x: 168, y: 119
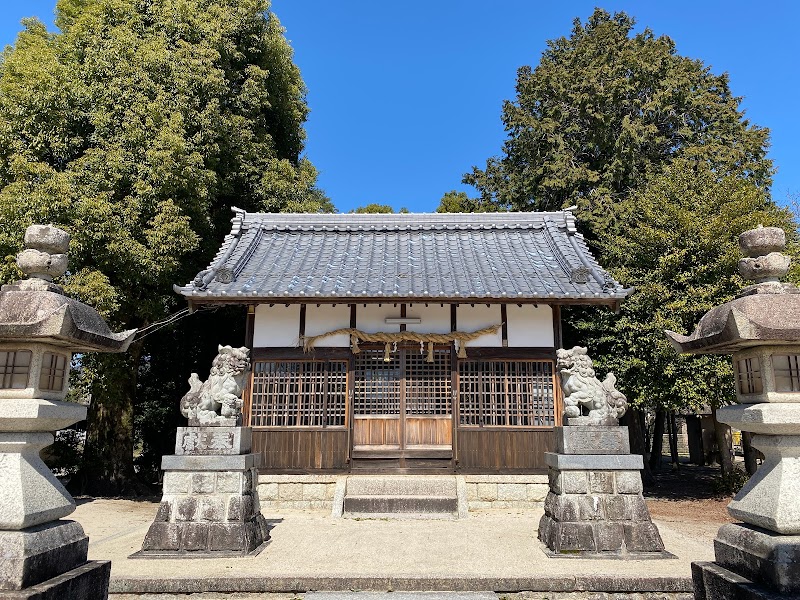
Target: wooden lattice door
x: 403, y: 407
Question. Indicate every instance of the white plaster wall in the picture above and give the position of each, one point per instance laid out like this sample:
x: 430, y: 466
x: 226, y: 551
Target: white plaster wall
x: 276, y: 326
x: 327, y: 317
x: 372, y: 317
x: 435, y: 318
x: 279, y: 325
x: 530, y: 325
x: 471, y: 318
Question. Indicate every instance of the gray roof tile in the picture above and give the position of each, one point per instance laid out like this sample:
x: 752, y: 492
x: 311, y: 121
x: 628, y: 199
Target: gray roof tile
x: 481, y: 256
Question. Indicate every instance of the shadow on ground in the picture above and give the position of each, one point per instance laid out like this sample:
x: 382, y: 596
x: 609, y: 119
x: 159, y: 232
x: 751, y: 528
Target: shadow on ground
x: 689, y: 482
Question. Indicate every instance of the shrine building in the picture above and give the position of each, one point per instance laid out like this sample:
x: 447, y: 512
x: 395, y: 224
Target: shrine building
x: 403, y: 341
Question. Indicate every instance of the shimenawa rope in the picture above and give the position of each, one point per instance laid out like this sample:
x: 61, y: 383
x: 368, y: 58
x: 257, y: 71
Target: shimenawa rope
x: 389, y: 338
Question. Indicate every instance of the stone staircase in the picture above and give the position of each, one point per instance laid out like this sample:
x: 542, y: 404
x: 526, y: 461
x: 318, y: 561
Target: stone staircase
x: 403, y: 496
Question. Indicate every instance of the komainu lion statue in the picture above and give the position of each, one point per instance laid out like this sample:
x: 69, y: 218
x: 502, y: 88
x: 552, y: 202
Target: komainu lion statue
x: 217, y: 401
x: 582, y: 389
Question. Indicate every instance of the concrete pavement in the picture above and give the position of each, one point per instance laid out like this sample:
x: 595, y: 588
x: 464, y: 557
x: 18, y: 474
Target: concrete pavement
x: 492, y: 550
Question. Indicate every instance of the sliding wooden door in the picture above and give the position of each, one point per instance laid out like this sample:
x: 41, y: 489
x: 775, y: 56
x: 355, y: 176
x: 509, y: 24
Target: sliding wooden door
x: 402, y: 407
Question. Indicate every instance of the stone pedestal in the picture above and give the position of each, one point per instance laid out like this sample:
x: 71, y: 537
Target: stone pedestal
x: 595, y: 506
x: 750, y: 563
x: 40, y: 555
x: 49, y: 561
x: 210, y: 505
x: 769, y: 498
x: 760, y: 558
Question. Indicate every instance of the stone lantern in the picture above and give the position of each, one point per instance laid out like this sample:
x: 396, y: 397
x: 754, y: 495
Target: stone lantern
x: 40, y: 329
x: 761, y: 329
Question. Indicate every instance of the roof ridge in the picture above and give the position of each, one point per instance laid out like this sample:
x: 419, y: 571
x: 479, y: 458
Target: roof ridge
x: 406, y: 221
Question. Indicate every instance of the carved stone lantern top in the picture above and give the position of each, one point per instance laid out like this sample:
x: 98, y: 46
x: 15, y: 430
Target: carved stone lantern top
x: 36, y: 309
x: 765, y: 313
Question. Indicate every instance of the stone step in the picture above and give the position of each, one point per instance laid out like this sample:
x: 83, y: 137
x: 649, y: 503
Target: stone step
x: 404, y: 485
x: 400, y: 596
x: 400, y: 504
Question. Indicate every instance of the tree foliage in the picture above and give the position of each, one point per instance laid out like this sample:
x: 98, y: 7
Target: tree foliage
x: 136, y: 128
x: 375, y: 208
x: 676, y: 241
x: 459, y: 202
x: 666, y: 172
x: 603, y: 112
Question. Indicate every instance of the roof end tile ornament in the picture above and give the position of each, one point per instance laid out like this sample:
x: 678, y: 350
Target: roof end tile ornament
x: 218, y: 271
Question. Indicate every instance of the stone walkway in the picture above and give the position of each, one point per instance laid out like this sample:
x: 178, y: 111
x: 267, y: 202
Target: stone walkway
x: 491, y: 550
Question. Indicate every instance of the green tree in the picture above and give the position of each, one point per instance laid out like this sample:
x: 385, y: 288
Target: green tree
x: 375, y: 208
x: 460, y: 202
x: 603, y: 112
x: 618, y: 123
x: 136, y: 127
x: 676, y: 241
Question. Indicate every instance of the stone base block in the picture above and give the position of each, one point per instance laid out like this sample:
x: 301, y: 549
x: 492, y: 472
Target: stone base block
x: 769, y: 498
x: 577, y: 439
x: 87, y: 582
x: 206, y: 513
x: 206, y: 539
x: 597, y: 538
x: 215, y: 462
x: 204, y: 441
x: 36, y: 554
x: 30, y: 494
x: 713, y: 582
x: 598, y: 513
x: 763, y: 557
x: 593, y: 462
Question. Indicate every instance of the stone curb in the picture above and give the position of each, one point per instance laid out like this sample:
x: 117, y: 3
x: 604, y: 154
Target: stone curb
x: 580, y: 583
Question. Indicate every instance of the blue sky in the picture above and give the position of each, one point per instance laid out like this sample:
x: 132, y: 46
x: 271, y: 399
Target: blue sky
x: 406, y: 97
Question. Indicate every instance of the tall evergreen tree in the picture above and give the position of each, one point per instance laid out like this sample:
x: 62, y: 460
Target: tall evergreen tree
x: 605, y: 110
x: 654, y: 150
x: 136, y: 128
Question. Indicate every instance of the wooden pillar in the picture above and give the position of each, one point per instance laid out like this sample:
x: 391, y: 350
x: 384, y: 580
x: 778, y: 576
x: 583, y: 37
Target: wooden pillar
x: 557, y: 340
x: 454, y: 398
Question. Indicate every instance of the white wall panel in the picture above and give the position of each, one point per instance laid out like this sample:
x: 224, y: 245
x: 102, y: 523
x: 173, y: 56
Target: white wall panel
x: 327, y: 317
x: 276, y: 326
x: 435, y: 318
x: 372, y: 318
x: 472, y: 318
x: 530, y: 325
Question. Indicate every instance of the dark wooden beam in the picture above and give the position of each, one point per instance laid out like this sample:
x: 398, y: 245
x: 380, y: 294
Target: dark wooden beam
x: 352, y: 316
x: 293, y: 353
x: 504, y: 321
x: 521, y: 353
x: 403, y: 315
x: 302, y: 321
x: 557, y: 341
x: 453, y: 318
x: 249, y: 327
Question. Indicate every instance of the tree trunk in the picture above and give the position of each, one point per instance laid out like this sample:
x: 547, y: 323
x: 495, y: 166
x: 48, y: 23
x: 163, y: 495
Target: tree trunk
x: 722, y: 433
x: 658, y: 440
x: 750, y: 453
x: 634, y: 420
x: 673, y: 441
x: 107, y: 468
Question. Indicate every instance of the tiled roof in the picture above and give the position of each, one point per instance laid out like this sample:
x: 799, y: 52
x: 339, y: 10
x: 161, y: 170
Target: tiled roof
x: 476, y: 256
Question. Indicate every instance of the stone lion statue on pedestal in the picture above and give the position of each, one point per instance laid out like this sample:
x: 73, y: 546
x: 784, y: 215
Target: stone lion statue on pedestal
x: 217, y: 401
x: 581, y: 388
